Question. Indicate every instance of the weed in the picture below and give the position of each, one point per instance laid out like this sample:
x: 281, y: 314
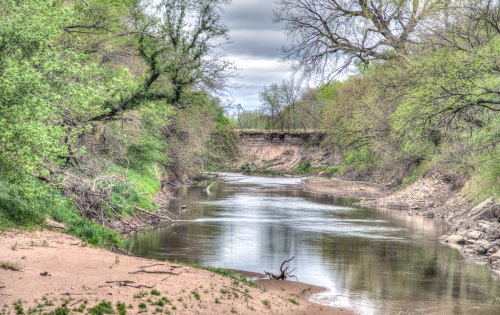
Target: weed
x: 14, y: 266
x: 120, y: 306
x: 155, y: 292
x: 159, y: 303
x: 62, y: 310
x: 18, y: 305
x: 15, y: 246
x: 105, y: 307
x: 140, y: 294
x: 266, y: 303
x: 80, y: 309
x: 195, y: 294
x: 293, y: 300
x: 217, y: 301
x: 166, y: 300
x: 142, y: 307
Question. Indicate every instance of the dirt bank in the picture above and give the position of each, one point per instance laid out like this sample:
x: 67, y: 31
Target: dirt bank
x: 342, y: 188
x: 279, y: 156
x: 58, y: 270
x: 473, y: 228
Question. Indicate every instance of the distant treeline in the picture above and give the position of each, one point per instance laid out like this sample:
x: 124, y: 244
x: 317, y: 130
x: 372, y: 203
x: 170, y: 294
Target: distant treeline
x: 422, y: 92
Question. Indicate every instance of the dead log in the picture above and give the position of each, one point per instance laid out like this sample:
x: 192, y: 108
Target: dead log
x: 284, y: 273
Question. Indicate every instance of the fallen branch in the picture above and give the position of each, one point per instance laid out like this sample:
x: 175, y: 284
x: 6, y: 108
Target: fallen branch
x: 284, y: 273
x: 155, y: 272
x: 128, y: 283
x: 153, y: 214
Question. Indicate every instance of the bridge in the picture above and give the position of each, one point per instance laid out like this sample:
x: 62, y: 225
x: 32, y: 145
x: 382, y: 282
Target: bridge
x: 282, y: 137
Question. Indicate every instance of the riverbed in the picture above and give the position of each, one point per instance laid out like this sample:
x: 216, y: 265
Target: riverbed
x: 376, y: 262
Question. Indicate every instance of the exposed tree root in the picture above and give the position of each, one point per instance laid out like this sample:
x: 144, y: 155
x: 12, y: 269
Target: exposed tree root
x: 284, y: 273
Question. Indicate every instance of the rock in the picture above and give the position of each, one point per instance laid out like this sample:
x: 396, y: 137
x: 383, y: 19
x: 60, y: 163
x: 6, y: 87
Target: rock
x: 492, y: 251
x: 484, y: 226
x: 473, y: 234
x: 484, y: 245
x: 455, y: 239
x: 495, y: 257
x: 481, y: 208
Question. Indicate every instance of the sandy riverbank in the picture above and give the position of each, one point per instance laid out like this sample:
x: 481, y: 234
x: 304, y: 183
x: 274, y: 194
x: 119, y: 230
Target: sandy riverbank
x: 343, y: 188
x: 59, y: 269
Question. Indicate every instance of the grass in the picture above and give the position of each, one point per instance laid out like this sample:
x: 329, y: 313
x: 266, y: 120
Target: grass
x: 8, y: 265
x: 195, y: 294
x: 155, y: 292
x: 266, y: 303
x: 293, y: 301
x: 235, y: 277
x: 104, y: 307
x: 122, y: 308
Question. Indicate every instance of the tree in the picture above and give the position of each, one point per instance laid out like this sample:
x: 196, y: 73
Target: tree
x: 177, y: 41
x: 328, y: 35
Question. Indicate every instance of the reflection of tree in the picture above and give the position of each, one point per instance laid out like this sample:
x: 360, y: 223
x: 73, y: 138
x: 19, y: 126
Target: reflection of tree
x: 404, y: 271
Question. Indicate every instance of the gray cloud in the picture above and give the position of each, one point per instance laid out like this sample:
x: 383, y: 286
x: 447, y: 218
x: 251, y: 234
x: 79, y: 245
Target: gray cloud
x: 255, y: 48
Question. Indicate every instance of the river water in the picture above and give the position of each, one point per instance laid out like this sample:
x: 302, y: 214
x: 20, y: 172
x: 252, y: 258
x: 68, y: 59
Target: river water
x: 377, y: 262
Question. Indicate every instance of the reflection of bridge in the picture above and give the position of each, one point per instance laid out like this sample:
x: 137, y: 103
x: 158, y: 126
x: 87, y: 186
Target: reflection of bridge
x: 289, y: 137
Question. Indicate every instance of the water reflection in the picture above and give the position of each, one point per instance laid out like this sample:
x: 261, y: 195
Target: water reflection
x: 379, y: 262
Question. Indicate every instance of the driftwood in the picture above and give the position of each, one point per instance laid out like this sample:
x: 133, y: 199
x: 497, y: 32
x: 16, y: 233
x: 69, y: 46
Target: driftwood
x: 128, y: 283
x: 284, y: 273
x: 159, y: 272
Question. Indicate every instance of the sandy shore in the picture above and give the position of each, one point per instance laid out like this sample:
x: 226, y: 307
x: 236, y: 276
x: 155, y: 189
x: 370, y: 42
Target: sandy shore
x: 59, y: 270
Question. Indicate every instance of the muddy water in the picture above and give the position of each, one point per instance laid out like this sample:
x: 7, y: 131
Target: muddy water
x: 374, y: 261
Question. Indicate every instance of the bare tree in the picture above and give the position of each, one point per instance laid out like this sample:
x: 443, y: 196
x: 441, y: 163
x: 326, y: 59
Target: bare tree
x: 328, y: 35
x: 272, y: 104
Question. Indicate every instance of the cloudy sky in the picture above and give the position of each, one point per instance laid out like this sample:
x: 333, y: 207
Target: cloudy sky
x: 255, y: 48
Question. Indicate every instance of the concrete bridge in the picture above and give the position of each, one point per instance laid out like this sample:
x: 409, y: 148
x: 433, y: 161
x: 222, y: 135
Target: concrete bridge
x: 282, y: 137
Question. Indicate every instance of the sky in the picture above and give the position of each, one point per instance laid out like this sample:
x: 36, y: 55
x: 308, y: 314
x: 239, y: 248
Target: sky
x: 255, y: 48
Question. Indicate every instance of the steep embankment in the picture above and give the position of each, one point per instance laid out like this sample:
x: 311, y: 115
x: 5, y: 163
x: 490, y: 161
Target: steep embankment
x: 280, y: 152
x: 473, y: 228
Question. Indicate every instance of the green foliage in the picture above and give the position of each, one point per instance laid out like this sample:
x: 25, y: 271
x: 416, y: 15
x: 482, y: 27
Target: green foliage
x: 304, y: 167
x: 104, y: 307
x: 235, y: 277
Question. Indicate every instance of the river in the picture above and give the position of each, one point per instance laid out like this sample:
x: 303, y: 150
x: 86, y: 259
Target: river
x: 377, y: 262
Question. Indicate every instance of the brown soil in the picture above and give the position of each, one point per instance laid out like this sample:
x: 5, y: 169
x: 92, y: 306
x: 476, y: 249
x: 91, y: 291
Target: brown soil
x: 278, y: 156
x: 60, y: 267
x: 342, y: 188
